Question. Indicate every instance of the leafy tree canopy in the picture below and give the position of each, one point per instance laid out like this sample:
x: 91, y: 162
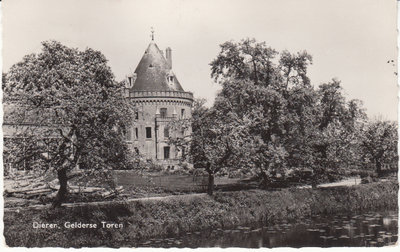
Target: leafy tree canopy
x: 68, y: 111
x: 288, y: 122
x: 379, y: 144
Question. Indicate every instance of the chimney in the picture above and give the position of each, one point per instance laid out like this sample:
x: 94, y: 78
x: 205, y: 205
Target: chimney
x: 168, y: 54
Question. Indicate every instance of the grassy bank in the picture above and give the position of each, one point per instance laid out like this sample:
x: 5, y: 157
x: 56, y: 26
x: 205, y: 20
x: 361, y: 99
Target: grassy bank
x: 144, y: 219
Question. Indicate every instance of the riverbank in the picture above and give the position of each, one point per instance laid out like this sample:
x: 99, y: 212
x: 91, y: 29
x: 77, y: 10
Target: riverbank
x: 139, y: 220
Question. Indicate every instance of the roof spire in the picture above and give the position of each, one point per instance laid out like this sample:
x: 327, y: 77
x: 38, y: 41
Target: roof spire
x: 152, y: 34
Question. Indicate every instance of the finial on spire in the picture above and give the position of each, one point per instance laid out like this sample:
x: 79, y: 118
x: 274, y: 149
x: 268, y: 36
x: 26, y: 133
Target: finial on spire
x: 152, y: 34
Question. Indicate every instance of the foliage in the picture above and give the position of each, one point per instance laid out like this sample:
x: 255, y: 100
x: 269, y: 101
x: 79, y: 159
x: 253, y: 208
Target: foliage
x: 67, y: 111
x: 338, y: 131
x: 256, y: 90
x: 268, y: 120
x: 286, y: 123
x: 213, y: 140
x: 379, y: 144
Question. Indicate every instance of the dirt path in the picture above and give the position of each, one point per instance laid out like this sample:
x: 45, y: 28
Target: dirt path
x: 103, y: 203
x: 345, y: 182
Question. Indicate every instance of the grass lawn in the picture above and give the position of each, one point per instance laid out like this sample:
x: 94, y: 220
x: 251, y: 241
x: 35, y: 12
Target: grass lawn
x: 151, y: 184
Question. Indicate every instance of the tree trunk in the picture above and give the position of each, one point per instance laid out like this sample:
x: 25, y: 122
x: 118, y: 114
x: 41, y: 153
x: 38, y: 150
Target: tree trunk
x: 378, y: 168
x: 62, y: 192
x: 264, y: 184
x: 314, y: 184
x: 210, y: 189
x: 316, y: 179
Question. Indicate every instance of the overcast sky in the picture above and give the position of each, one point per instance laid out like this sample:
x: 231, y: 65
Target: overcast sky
x: 351, y: 40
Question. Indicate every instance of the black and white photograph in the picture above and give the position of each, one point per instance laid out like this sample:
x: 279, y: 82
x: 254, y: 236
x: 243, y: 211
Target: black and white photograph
x: 199, y: 124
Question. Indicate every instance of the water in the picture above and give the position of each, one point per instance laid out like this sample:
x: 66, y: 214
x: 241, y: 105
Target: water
x: 370, y: 229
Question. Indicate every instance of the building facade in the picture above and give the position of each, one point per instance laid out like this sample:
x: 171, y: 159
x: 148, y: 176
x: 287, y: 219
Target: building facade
x: 160, y: 100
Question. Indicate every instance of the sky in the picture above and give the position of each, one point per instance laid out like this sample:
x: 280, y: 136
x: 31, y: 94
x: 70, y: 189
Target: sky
x: 350, y: 40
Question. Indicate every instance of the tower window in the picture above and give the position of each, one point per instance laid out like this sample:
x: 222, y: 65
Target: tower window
x: 136, y: 133
x: 163, y: 112
x: 170, y: 78
x: 166, y: 152
x: 166, y: 132
x: 130, y: 82
x: 148, y: 132
x: 136, y: 115
x: 182, y: 113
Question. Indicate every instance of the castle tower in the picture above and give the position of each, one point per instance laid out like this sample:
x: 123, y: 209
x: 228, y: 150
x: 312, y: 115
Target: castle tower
x: 160, y: 99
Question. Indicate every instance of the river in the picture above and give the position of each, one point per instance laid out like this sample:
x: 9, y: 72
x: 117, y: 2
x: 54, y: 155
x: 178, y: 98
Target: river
x: 369, y: 229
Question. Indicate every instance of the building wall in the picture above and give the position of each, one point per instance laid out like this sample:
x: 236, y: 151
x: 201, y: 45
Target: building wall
x: 150, y: 116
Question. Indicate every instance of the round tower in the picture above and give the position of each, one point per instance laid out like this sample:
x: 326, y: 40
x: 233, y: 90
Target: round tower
x: 160, y: 99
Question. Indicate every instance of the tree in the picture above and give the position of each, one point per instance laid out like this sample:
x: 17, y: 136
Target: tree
x: 379, y: 144
x: 71, y: 112
x: 213, y: 140
x: 270, y: 97
x: 336, y: 142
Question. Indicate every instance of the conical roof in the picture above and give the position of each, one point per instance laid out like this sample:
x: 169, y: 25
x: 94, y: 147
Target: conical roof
x: 153, y: 72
